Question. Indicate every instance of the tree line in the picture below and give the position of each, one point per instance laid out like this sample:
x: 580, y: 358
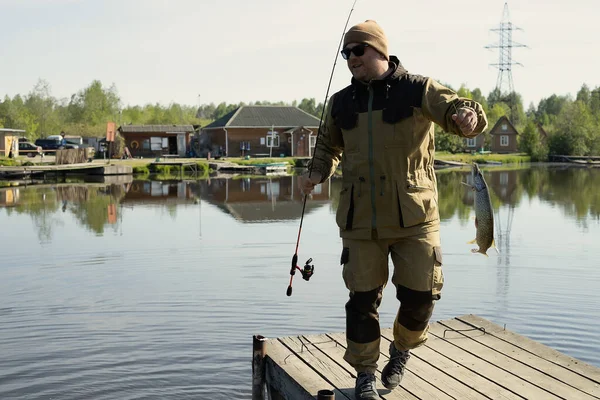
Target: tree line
x: 572, y: 124
x: 86, y: 112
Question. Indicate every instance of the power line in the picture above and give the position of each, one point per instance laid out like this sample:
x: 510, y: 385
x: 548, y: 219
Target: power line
x: 504, y: 82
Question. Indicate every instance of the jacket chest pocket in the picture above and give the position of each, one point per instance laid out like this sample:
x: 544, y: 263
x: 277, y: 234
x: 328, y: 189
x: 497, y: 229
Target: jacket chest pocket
x: 399, y: 126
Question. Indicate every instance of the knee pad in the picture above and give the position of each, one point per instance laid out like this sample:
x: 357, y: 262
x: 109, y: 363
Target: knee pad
x: 416, y: 308
x: 362, y: 318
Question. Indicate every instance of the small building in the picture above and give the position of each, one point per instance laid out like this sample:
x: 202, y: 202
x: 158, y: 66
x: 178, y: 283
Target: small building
x: 504, y: 137
x: 262, y: 131
x: 9, y: 141
x: 475, y: 144
x: 157, y: 140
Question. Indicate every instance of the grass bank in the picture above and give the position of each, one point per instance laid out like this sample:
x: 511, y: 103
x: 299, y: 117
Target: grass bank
x: 145, y: 167
x: 515, y: 158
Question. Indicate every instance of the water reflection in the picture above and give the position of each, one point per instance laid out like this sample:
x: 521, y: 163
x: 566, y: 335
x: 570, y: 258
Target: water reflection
x: 263, y: 199
x: 73, y: 312
x: 99, y: 205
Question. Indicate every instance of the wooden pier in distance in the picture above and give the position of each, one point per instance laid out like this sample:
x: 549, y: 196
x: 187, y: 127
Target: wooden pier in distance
x: 466, y: 358
x: 93, y: 168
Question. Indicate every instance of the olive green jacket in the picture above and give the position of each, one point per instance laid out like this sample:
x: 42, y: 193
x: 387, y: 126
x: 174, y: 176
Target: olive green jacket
x: 382, y: 133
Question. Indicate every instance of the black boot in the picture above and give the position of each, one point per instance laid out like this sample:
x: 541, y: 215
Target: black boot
x: 392, y: 373
x: 365, y: 386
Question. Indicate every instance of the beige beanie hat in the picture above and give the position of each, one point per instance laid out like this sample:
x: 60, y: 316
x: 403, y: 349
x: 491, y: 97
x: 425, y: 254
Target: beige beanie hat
x: 368, y: 32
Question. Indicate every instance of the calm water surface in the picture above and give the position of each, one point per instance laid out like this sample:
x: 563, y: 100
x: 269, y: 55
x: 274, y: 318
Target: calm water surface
x: 153, y: 289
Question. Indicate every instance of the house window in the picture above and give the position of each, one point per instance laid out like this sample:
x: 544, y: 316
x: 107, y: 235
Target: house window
x: 156, y: 143
x: 146, y: 144
x: 313, y: 140
x: 245, y: 146
x: 504, y: 140
x: 504, y: 127
x: 471, y: 142
x: 273, y: 141
x: 262, y: 141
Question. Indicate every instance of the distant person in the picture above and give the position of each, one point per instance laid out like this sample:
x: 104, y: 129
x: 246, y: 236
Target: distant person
x: 63, y: 142
x: 381, y: 129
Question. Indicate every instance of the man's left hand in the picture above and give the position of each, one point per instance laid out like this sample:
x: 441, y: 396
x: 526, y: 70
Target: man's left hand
x: 466, y: 119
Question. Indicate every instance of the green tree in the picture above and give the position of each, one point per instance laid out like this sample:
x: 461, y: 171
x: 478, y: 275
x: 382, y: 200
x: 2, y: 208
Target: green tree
x: 530, y: 142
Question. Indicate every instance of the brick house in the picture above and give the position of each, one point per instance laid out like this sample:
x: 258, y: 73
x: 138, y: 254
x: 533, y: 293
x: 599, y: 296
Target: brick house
x: 504, y: 137
x: 157, y: 140
x: 262, y: 131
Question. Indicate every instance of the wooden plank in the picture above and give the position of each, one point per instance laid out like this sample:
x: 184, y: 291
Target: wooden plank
x: 464, y: 352
x: 431, y: 373
x: 291, y: 376
x: 547, y: 353
x: 478, y: 383
x: 564, y: 382
x: 337, y: 376
x: 411, y: 385
x: 335, y: 351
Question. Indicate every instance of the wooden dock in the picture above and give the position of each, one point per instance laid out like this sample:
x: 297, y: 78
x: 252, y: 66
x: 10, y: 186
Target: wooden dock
x: 96, y: 168
x: 466, y: 357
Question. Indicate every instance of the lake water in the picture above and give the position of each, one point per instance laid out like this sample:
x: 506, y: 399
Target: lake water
x: 153, y: 289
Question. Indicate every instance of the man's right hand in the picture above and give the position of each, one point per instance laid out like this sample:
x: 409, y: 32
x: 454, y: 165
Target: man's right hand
x: 307, y: 184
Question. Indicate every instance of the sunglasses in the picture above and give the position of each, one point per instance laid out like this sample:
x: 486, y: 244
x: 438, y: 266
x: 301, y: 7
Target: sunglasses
x: 358, y: 51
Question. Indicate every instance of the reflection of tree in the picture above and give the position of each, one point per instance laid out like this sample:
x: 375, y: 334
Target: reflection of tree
x: 90, y: 207
x: 573, y: 189
x: 89, y: 204
x: 451, y: 195
x: 40, y: 204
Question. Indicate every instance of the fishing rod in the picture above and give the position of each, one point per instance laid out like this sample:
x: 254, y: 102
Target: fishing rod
x: 308, y: 270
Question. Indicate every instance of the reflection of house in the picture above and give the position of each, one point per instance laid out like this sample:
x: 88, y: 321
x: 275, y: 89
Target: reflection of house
x: 504, y: 184
x: 504, y: 137
x: 9, y: 141
x: 158, y: 192
x: 9, y: 197
x: 255, y: 200
x: 157, y: 140
x: 263, y: 131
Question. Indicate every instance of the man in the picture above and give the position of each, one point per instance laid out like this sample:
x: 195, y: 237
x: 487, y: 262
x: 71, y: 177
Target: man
x: 380, y: 128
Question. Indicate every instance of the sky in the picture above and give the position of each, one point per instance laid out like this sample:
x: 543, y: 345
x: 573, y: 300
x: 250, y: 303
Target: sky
x: 210, y: 51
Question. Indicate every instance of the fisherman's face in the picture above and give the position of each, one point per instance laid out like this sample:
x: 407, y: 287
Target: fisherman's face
x: 368, y: 66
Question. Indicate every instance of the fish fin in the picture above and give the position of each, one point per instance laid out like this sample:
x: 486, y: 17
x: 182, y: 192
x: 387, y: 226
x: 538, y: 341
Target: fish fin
x: 472, y: 241
x: 494, y: 246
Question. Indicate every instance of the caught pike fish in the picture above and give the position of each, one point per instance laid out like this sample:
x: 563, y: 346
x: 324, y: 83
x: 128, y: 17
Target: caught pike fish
x: 484, y: 214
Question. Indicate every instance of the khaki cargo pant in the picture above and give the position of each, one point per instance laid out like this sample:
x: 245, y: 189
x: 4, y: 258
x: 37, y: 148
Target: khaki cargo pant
x: 418, y: 279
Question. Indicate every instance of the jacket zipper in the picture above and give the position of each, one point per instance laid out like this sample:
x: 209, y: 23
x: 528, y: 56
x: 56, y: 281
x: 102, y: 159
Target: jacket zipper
x: 382, y: 177
x: 371, y: 166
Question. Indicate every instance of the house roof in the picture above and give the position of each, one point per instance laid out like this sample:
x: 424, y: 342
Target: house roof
x: 265, y: 117
x: 265, y: 211
x: 497, y: 131
x: 156, y: 128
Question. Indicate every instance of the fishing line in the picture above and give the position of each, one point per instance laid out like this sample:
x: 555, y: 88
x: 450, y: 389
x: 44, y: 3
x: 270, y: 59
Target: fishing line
x: 308, y: 269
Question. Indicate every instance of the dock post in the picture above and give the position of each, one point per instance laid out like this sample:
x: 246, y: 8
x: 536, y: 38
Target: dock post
x: 259, y: 351
x: 325, y: 395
